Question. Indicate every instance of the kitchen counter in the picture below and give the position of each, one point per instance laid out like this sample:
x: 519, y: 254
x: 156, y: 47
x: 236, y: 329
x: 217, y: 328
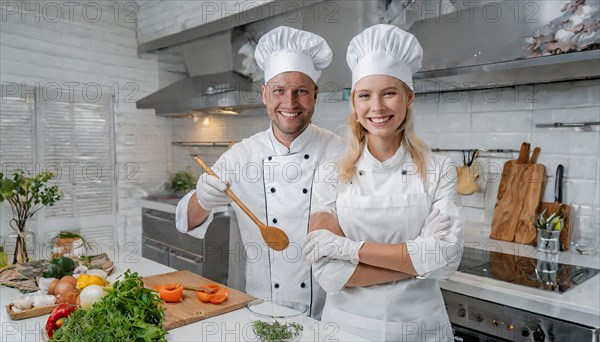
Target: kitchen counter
x: 232, y: 326
x: 168, y: 206
x: 580, y: 304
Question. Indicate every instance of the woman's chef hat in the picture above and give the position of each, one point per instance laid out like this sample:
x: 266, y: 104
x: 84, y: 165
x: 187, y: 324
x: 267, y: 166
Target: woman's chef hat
x: 287, y: 49
x: 384, y: 50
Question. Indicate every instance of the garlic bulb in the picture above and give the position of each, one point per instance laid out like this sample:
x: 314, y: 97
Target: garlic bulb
x: 43, y: 300
x: 22, y: 303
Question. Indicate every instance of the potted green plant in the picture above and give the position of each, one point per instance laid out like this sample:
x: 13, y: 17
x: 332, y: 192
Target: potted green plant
x: 182, y: 182
x: 26, y: 196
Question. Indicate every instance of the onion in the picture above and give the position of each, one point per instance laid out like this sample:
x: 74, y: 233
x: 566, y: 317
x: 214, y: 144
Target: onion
x: 52, y: 288
x: 90, y: 295
x: 64, y: 286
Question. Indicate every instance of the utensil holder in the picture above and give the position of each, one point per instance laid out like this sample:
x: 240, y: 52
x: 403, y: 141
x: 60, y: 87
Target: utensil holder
x: 548, y: 241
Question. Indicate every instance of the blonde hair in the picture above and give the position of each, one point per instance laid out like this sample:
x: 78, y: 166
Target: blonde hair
x: 357, y: 140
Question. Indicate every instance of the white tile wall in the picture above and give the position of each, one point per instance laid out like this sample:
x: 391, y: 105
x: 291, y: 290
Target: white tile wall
x: 94, y: 47
x: 159, y: 18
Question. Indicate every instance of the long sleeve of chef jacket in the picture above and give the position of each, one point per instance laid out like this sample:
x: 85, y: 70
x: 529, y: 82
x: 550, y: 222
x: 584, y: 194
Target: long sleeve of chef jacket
x: 439, y: 258
x: 332, y: 275
x: 181, y: 221
x: 181, y: 212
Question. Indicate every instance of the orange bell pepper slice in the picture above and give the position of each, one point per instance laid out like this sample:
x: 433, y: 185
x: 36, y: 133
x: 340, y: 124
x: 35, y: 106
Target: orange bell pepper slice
x: 203, y: 296
x: 218, y: 296
x: 171, y: 293
x: 218, y: 299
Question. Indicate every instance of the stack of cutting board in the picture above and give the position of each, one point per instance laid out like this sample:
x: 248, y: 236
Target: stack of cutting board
x: 519, y: 195
x: 191, y: 309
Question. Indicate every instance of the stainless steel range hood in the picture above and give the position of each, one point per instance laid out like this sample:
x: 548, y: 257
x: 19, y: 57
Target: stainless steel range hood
x: 221, y: 93
x: 467, y: 45
x: 215, y: 84
x: 485, y: 46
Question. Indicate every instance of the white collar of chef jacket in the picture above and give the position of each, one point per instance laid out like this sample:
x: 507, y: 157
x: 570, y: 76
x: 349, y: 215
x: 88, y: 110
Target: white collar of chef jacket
x: 401, y: 156
x: 297, y: 146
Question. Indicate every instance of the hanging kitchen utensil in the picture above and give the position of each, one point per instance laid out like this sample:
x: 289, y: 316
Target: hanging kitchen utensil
x: 275, y: 238
x: 518, y: 198
x: 468, y: 175
x: 557, y: 206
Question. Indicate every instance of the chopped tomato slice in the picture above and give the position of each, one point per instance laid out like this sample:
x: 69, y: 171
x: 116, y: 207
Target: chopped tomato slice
x: 171, y: 293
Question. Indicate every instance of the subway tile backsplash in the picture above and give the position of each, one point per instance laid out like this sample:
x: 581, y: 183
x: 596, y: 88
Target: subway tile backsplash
x: 500, y: 118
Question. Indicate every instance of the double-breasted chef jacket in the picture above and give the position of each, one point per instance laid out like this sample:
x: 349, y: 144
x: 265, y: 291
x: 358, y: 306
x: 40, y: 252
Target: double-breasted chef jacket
x: 387, y: 202
x: 275, y: 183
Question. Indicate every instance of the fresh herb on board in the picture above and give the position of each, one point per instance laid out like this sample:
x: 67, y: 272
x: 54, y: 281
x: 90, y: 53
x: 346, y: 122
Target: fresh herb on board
x: 271, y: 332
x: 129, y: 312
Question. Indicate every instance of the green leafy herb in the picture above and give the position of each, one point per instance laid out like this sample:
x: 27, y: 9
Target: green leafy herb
x: 271, y: 332
x: 130, y: 312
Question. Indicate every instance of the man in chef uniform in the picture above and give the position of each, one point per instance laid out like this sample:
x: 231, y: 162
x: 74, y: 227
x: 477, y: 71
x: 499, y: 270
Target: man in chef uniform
x: 272, y: 171
x: 391, y: 226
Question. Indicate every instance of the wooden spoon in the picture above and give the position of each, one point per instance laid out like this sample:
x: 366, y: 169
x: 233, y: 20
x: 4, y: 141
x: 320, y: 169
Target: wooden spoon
x: 199, y: 289
x: 275, y: 238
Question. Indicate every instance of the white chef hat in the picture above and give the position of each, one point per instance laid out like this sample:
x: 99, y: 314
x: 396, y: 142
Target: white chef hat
x: 384, y: 50
x: 288, y: 49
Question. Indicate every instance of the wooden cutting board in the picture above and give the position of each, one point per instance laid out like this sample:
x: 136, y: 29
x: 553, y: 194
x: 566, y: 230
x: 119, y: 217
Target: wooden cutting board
x: 191, y: 309
x: 518, y: 198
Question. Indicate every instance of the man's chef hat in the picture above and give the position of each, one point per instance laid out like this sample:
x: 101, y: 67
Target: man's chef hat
x: 384, y: 50
x: 287, y: 49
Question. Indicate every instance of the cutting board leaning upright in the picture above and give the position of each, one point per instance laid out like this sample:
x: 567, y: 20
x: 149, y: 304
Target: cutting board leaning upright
x: 519, y: 195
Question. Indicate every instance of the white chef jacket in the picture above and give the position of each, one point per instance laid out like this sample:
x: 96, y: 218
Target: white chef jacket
x: 387, y: 202
x: 275, y: 183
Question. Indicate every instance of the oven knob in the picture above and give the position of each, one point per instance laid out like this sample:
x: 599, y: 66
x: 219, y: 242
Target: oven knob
x: 462, y: 312
x: 539, y: 335
x: 525, y: 332
x: 479, y: 317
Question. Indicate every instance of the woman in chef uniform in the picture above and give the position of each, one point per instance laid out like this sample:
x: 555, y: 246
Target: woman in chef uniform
x: 272, y: 171
x: 391, y: 224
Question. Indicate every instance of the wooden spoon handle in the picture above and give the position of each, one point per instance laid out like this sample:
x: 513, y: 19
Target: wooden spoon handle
x: 230, y: 193
x: 199, y: 289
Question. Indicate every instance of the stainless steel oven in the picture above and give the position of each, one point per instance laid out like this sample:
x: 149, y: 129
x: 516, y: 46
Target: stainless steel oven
x: 474, y: 319
x: 208, y: 257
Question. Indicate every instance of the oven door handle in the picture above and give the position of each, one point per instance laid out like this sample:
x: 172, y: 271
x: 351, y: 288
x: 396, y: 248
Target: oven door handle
x: 162, y: 248
x: 191, y: 261
x: 147, y: 214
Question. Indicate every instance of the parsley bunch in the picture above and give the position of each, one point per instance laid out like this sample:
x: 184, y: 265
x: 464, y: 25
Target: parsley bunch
x: 129, y: 312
